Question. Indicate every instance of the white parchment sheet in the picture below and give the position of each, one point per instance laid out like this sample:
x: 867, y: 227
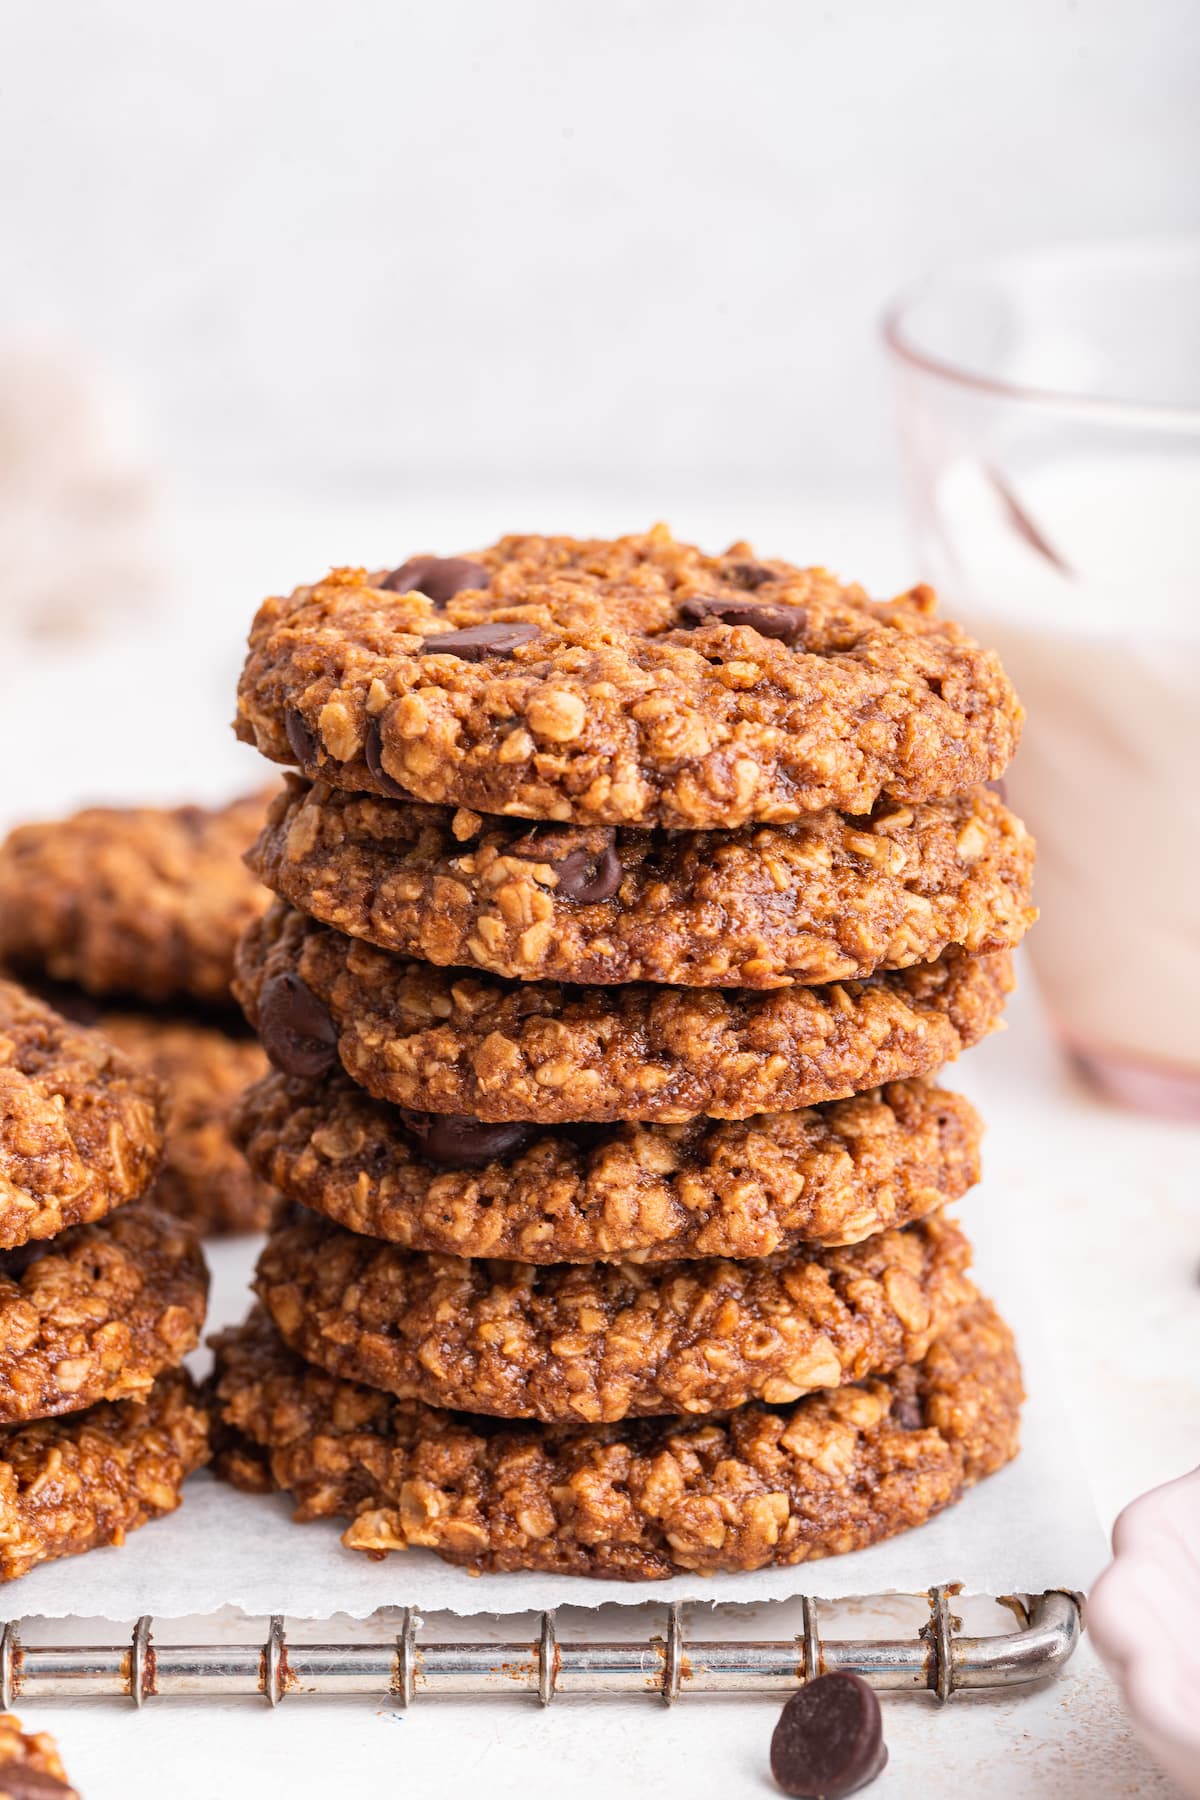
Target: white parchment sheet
x: 1033, y: 1526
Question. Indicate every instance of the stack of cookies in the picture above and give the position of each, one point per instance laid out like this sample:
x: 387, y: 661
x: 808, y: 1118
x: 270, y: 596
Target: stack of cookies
x: 629, y: 901
x: 101, y: 1296
x: 127, y: 918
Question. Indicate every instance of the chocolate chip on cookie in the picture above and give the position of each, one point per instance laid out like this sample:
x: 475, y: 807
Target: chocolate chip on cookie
x: 476, y: 642
x: 439, y: 578
x: 453, y: 1141
x: 296, y: 1031
x: 783, y: 622
x: 373, y: 752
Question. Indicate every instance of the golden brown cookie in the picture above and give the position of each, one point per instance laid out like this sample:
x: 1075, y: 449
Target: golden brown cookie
x: 647, y: 1193
x: 822, y: 899
x: 626, y: 682
x: 443, y: 1041
x: 81, y: 1126
x: 592, y: 1342
x: 30, y: 1766
x: 205, y: 1069
x: 139, y: 901
x: 637, y: 1500
x: 97, y: 1313
x: 68, y: 1485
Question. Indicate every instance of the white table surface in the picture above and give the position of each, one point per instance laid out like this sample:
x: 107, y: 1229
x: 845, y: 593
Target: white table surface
x: 1116, y: 1195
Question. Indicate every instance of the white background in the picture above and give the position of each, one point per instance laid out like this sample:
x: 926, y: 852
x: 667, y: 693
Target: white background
x: 379, y: 241
x: 390, y: 276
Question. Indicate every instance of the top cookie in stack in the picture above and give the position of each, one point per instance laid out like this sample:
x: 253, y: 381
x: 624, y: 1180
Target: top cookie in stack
x: 636, y: 893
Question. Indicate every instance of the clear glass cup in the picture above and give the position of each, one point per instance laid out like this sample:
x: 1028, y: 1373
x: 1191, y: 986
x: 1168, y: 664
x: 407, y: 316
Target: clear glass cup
x: 1050, y: 427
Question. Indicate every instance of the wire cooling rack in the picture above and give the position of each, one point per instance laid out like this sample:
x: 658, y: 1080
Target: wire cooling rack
x: 406, y: 1668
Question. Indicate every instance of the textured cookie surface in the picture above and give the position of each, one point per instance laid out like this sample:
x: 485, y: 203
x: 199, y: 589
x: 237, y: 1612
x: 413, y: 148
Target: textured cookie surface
x: 68, y: 1485
x: 97, y: 1313
x: 441, y: 1040
x: 81, y: 1126
x: 136, y: 901
x: 737, y: 1188
x: 30, y: 1766
x: 203, y: 1177
x: 596, y: 1342
x: 631, y: 682
x: 821, y: 899
x: 636, y: 1500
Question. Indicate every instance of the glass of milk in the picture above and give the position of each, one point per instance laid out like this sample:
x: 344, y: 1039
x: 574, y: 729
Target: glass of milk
x: 1050, y: 426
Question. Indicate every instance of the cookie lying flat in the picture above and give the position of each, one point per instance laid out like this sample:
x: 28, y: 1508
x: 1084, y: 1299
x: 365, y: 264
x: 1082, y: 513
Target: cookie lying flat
x: 631, y: 682
x: 30, y: 1766
x: 139, y: 901
x: 443, y: 1041
x: 591, y: 1342
x: 638, y: 1500
x: 822, y: 899
x: 68, y: 1485
x: 737, y: 1188
x: 98, y: 1313
x: 203, y: 1177
x: 81, y: 1126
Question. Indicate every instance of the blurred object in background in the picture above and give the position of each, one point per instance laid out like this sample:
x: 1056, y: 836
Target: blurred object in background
x: 80, y: 511
x: 1050, y: 418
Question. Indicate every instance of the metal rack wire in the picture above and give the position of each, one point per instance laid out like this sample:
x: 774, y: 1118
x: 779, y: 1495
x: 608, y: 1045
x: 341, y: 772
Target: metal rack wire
x: 404, y: 1668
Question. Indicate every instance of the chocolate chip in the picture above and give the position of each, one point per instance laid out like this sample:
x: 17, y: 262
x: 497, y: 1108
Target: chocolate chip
x: 749, y: 575
x: 15, y: 1262
x: 294, y: 1028
x: 373, y: 754
x: 20, y: 1781
x: 908, y: 1413
x: 455, y: 1141
x: 587, y: 874
x: 475, y: 642
x: 439, y: 578
x: 829, y: 1739
x: 302, y: 740
x: 783, y: 622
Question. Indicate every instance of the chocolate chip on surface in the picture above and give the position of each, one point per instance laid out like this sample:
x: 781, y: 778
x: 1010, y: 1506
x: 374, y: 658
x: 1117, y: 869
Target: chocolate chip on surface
x: 302, y: 740
x: 455, y: 1141
x: 294, y: 1028
x: 373, y: 756
x: 439, y: 578
x: 829, y: 1739
x: 475, y: 642
x: 786, y: 623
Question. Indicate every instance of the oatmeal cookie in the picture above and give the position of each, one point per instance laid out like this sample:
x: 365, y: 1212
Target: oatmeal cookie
x: 74, y: 1484
x: 822, y: 899
x: 137, y: 901
x: 631, y: 682
x: 442, y: 1041
x: 603, y: 1341
x: 638, y: 1500
x: 738, y: 1188
x: 203, y: 1177
x: 97, y: 1313
x: 30, y: 1766
x: 81, y: 1126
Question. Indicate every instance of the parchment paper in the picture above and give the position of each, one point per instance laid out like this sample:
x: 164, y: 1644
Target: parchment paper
x: 1033, y: 1526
